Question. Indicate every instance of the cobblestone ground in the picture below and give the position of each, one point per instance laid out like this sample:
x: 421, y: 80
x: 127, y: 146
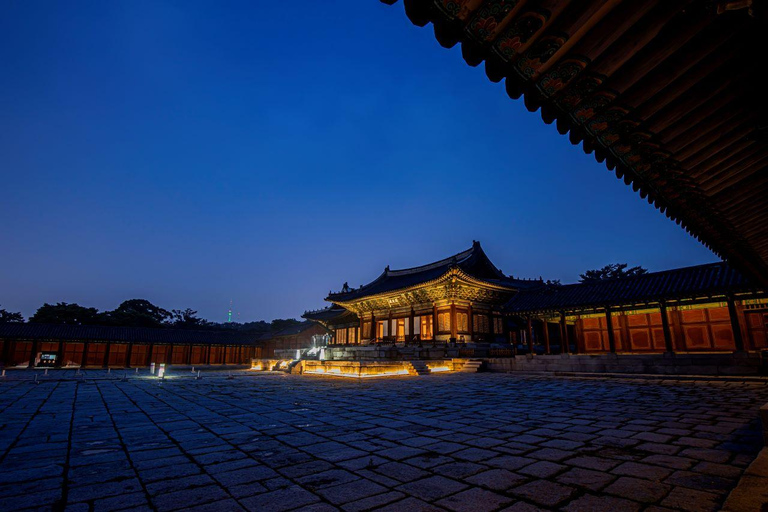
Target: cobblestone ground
x: 457, y: 442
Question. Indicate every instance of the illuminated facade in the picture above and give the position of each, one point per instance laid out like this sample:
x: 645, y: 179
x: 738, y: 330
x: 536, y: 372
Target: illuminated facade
x: 465, y: 298
x: 459, y: 298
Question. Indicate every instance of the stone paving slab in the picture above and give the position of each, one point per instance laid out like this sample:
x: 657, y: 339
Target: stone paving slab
x: 274, y: 442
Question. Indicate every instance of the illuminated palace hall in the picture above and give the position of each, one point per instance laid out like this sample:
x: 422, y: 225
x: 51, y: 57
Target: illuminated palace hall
x: 464, y: 307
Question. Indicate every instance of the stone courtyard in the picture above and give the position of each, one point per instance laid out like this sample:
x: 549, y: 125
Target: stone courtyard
x: 264, y: 442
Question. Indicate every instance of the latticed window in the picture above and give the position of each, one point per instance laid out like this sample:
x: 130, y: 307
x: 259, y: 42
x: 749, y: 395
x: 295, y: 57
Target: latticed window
x: 480, y: 323
x: 462, y: 322
x: 498, y: 325
x: 341, y: 335
x: 444, y: 322
x: 367, y: 330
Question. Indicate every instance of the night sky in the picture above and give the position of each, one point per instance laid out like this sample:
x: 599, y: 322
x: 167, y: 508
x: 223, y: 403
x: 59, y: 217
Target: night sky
x: 266, y: 152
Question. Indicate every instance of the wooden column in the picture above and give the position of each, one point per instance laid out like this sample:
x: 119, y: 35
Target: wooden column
x: 434, y: 322
x: 454, y: 330
x: 411, y: 317
x: 374, y: 327
x: 33, y: 355
x: 529, y: 334
x: 128, y: 355
x: 564, y: 331
x: 189, y: 355
x: 105, y: 363
x: 84, y: 359
x: 360, y: 336
x: 208, y: 355
x: 59, y: 355
x: 149, y: 354
x: 668, y: 347
x: 6, y: 353
x: 578, y: 338
x: 626, y: 339
x: 738, y: 338
x: 545, y: 324
x: 470, y: 323
x: 169, y: 355
x: 609, y: 325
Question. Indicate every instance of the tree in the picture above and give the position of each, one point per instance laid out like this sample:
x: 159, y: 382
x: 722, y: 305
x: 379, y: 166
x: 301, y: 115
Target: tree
x: 6, y: 317
x: 279, y: 324
x: 186, y: 319
x: 137, y: 313
x: 612, y: 271
x: 63, y: 313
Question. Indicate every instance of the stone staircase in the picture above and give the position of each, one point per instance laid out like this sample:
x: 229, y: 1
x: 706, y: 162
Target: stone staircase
x: 472, y: 366
x: 420, y: 367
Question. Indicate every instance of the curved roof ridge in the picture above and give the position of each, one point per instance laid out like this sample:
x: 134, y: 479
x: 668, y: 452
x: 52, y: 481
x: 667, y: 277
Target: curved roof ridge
x: 457, y: 258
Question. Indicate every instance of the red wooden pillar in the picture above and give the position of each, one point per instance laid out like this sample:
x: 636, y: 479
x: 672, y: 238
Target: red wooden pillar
x: 149, y: 354
x: 60, y: 354
x: 360, y: 335
x: 105, y: 362
x: 189, y: 355
x: 434, y: 322
x: 411, y: 334
x: 169, y: 355
x: 738, y: 338
x: 6, y: 353
x: 529, y: 334
x: 33, y: 355
x: 454, y: 330
x: 564, y: 330
x: 668, y: 346
x: 129, y: 355
x: 84, y: 360
x: 609, y: 326
x: 374, y: 328
x: 208, y: 355
x: 470, y: 322
x: 545, y: 325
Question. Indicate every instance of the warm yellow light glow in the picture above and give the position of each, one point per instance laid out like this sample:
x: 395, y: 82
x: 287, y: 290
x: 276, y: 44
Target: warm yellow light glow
x: 437, y: 369
x: 336, y: 372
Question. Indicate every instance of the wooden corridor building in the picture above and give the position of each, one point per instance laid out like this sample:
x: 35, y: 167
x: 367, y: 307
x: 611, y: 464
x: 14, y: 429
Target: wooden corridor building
x: 465, y: 298
x: 705, y: 308
x: 61, y: 346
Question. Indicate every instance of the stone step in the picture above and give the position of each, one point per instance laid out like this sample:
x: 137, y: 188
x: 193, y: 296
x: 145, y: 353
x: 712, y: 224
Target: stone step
x: 420, y: 367
x: 472, y: 366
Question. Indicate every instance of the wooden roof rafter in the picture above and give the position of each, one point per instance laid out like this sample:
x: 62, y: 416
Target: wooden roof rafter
x: 666, y: 93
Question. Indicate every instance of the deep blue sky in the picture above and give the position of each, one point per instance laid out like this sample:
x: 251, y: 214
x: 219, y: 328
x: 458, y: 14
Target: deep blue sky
x: 192, y: 154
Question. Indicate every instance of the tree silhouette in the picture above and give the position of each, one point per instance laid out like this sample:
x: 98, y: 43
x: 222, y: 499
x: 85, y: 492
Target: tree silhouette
x: 64, y: 313
x: 7, y: 317
x: 611, y: 271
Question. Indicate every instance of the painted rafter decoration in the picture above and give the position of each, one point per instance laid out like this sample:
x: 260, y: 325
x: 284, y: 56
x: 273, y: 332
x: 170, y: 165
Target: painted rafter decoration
x: 454, y: 284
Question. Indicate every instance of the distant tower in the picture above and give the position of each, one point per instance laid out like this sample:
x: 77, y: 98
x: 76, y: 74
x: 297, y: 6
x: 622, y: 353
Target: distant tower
x: 229, y: 313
